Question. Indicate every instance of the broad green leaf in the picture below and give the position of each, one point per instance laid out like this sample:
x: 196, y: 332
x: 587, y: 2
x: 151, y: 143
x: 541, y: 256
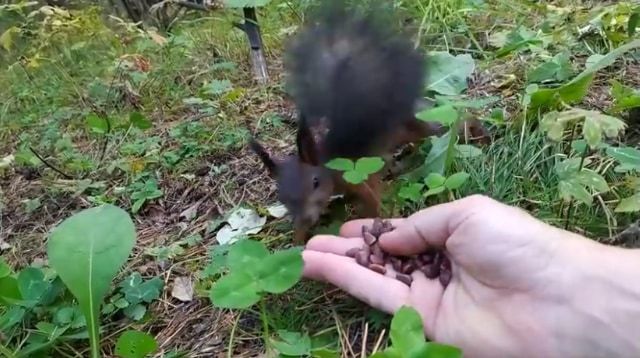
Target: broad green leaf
x: 579, y: 145
x: 97, y: 124
x: 629, y: 205
x: 628, y: 157
x: 445, y: 115
x: 136, y: 290
x: 456, y: 180
x: 33, y: 285
x: 354, y: 177
x: 411, y: 191
x: 447, y: 73
x: 592, y: 132
x: 9, y: 291
x: 437, y: 350
x: 135, y: 312
x: 572, y: 189
x: 435, y: 160
x: 624, y: 97
x: 292, y: 343
x: 97, y: 241
x: 593, y: 59
x: 8, y: 37
x: 135, y: 344
x: 467, y: 151
x: 236, y: 290
x: 407, y: 330
x: 246, y: 255
x: 139, y: 121
x: 435, y: 180
x: 369, y: 165
x: 11, y: 317
x: 340, y: 164
x: 434, y: 191
x: 281, y: 270
x: 591, y: 179
x: 544, y: 72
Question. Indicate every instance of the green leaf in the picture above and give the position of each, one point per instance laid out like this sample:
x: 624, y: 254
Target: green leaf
x: 292, y: 343
x: 575, y: 90
x: 434, y: 191
x: 32, y: 285
x: 544, y: 72
x: 139, y: 121
x: 369, y: 165
x: 447, y: 73
x: 436, y: 350
x: 592, y: 132
x: 591, y: 179
x: 246, y: 255
x: 340, y: 164
x: 435, y: 180
x: 354, y: 177
x: 136, y: 290
x: 11, y: 317
x: 236, y: 290
x: 629, y: 205
x: 97, y: 124
x: 628, y: 157
x: 570, y: 188
x: 135, y: 344
x: 456, y: 180
x: 135, y: 312
x: 411, y: 192
x: 8, y: 37
x: 579, y: 145
x: 97, y: 241
x: 467, y: 151
x: 281, y: 270
x: 464, y: 102
x: 446, y: 115
x: 407, y: 330
x: 632, y: 25
x: 9, y: 291
x: 435, y: 160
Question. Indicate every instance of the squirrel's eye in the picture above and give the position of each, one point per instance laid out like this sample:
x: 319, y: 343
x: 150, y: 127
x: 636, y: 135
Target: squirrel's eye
x: 316, y: 182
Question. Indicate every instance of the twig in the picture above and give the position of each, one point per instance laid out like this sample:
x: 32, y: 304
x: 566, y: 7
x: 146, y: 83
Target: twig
x: 51, y: 166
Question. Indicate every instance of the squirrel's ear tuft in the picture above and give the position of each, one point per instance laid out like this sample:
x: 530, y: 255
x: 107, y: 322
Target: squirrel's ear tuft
x: 269, y: 163
x: 307, y: 148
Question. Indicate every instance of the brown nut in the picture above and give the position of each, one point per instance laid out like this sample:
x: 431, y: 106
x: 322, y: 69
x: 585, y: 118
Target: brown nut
x: 352, y: 252
x: 408, y: 267
x: 406, y: 279
x: 376, y: 259
x: 362, y: 258
x: 445, y: 272
x: 431, y: 270
x: 378, y: 268
x: 369, y: 239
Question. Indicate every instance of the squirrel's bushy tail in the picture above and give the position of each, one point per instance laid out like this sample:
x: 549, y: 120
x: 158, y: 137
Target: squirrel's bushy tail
x: 355, y: 70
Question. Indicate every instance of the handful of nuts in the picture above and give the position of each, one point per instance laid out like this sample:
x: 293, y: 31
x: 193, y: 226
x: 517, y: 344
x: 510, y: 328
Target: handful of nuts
x: 432, y: 263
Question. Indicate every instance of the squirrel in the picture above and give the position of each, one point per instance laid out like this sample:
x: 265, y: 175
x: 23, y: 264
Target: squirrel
x: 357, y: 85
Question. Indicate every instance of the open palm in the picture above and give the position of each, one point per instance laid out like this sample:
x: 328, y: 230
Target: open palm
x: 502, y: 299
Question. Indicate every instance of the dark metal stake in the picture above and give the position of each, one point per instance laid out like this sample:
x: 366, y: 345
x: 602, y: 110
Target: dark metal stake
x: 252, y: 29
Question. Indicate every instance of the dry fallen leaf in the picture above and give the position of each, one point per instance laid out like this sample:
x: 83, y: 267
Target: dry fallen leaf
x: 182, y: 289
x: 241, y: 222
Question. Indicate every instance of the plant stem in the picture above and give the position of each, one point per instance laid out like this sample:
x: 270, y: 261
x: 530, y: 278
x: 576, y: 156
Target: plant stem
x: 231, y: 336
x: 570, y: 209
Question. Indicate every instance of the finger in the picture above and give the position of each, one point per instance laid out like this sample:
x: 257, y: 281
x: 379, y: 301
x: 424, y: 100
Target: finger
x: 426, y: 295
x: 333, y: 244
x: 379, y: 291
x: 353, y: 228
x: 430, y: 227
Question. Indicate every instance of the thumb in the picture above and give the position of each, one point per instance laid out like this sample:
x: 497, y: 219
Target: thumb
x: 430, y: 227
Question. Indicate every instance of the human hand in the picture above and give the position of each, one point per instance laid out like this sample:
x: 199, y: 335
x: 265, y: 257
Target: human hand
x: 512, y: 286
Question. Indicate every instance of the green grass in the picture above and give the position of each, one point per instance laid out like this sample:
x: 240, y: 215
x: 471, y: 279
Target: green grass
x: 200, y: 99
